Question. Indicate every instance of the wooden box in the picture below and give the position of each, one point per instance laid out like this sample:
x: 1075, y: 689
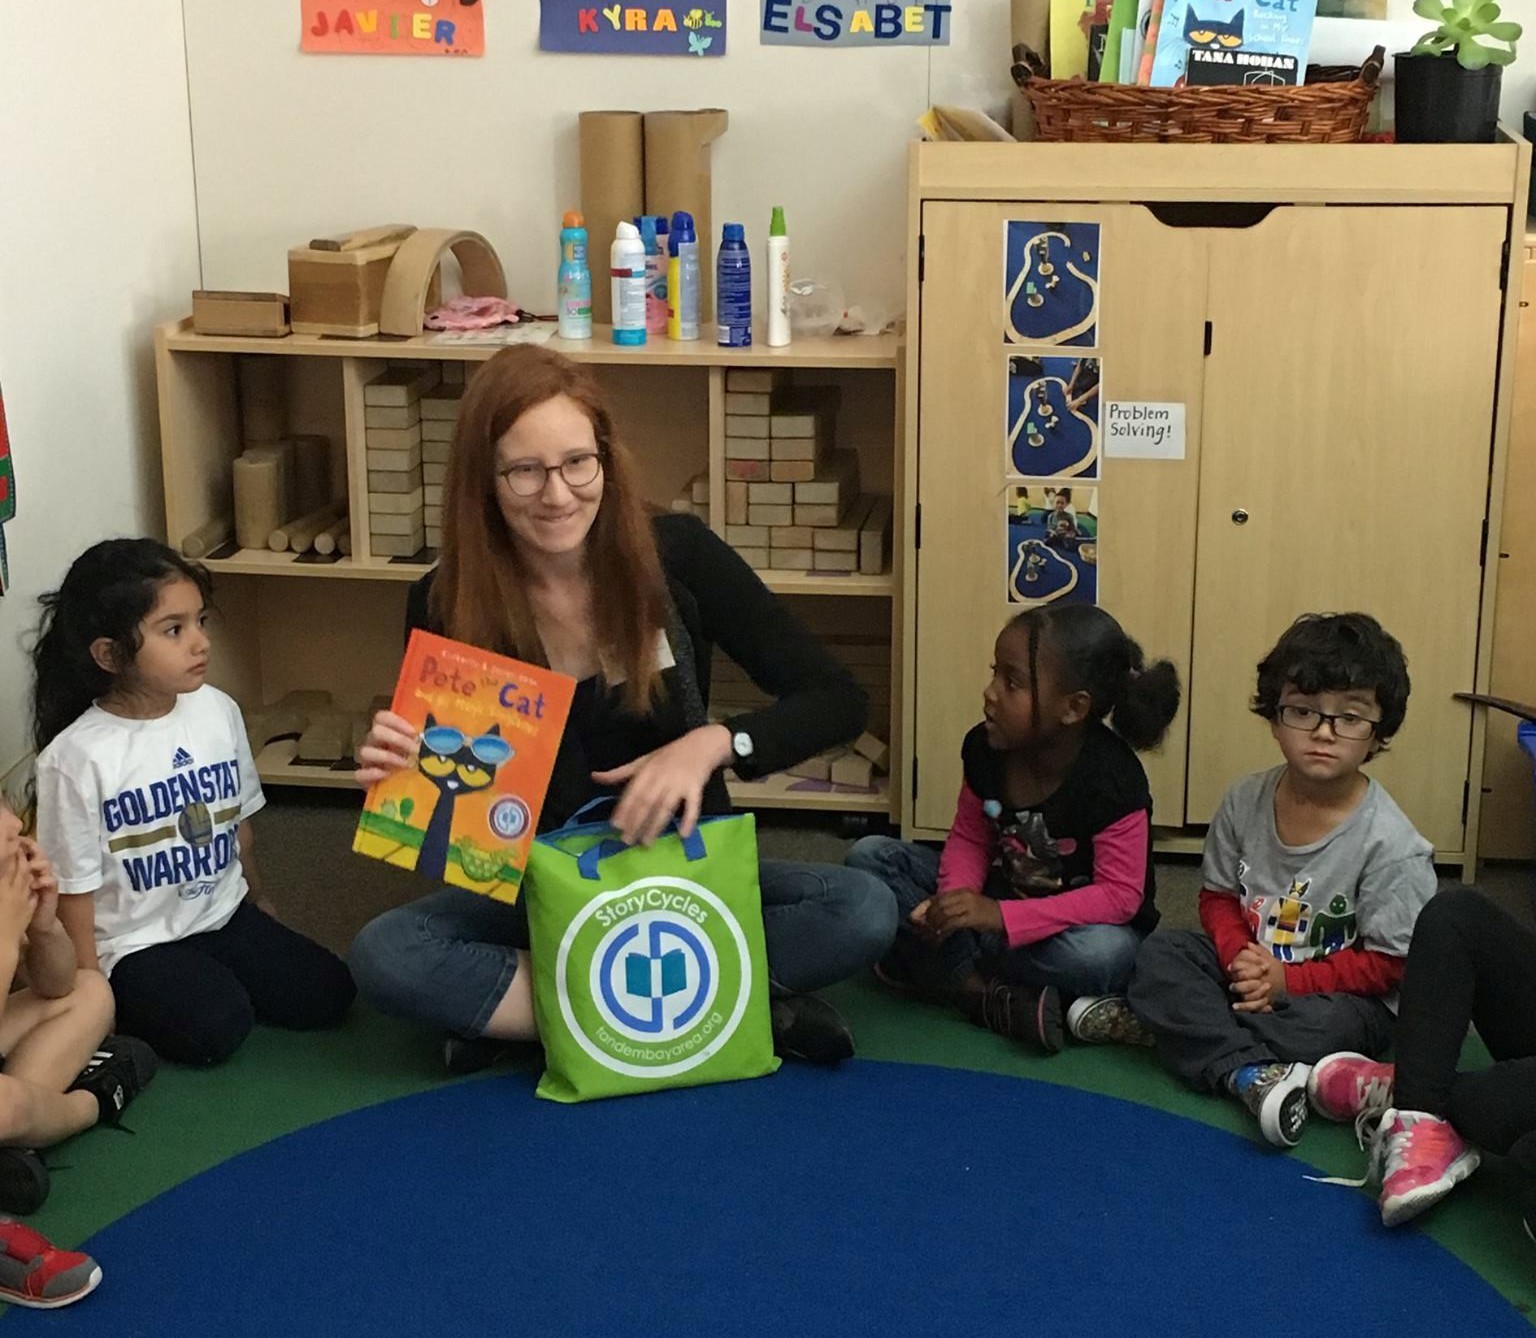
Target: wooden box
x: 264, y: 315
x: 338, y: 292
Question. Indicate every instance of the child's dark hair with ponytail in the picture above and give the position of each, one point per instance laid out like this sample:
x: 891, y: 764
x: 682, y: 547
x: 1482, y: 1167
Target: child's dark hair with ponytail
x: 108, y: 591
x: 1090, y: 652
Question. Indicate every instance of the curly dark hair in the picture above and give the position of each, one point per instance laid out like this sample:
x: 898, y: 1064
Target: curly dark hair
x: 1337, y: 652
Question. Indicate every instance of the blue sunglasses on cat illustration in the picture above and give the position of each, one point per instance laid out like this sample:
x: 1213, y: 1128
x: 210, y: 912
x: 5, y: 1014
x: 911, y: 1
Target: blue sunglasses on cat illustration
x: 457, y: 765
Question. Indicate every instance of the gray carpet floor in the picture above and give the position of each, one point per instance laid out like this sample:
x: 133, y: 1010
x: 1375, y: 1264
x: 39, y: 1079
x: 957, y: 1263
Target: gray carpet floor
x: 304, y: 853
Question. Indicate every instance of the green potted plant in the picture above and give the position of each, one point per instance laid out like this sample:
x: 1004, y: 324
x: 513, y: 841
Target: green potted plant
x: 1447, y: 87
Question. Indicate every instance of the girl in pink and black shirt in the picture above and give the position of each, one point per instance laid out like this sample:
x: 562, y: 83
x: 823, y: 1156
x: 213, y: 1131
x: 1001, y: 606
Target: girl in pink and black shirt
x: 1045, y: 886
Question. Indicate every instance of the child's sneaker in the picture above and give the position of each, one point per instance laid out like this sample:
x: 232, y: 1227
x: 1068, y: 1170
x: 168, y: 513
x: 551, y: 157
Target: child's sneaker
x: 1348, y: 1086
x: 34, y: 1273
x: 1022, y: 1013
x: 1277, y: 1096
x: 1424, y: 1160
x: 24, y: 1181
x: 1106, y: 1019
x: 115, y: 1074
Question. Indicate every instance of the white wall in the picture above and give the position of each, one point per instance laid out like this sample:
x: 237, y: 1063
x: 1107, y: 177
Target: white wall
x: 98, y: 240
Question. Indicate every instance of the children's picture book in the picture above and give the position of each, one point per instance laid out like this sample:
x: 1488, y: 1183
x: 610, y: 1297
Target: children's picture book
x: 466, y: 813
x: 1233, y: 42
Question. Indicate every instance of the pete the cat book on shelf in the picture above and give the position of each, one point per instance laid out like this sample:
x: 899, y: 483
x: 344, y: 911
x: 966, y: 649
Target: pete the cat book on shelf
x: 490, y: 727
x: 1248, y: 42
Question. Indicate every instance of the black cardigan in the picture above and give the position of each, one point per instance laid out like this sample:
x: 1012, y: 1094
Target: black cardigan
x: 720, y: 601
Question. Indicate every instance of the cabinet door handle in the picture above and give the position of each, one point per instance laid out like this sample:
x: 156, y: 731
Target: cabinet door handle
x: 1239, y: 517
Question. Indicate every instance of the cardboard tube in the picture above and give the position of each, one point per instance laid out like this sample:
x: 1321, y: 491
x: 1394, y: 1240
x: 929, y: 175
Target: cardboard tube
x: 677, y: 176
x: 612, y: 188
x: 263, y: 406
x: 299, y: 535
x: 1031, y: 26
x: 206, y: 537
x: 328, y: 541
x: 260, y: 501
x: 311, y: 473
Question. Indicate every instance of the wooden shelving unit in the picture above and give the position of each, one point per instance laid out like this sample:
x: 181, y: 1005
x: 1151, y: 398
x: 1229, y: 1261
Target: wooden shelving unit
x: 295, y: 623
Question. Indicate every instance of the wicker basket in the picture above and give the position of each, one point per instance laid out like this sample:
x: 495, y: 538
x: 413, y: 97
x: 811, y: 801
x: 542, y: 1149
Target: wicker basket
x: 1330, y: 108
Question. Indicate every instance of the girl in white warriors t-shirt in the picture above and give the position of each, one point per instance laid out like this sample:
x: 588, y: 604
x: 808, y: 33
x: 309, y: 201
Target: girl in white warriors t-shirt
x: 145, y: 784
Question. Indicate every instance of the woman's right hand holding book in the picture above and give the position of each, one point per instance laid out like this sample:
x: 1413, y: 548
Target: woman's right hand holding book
x: 390, y: 746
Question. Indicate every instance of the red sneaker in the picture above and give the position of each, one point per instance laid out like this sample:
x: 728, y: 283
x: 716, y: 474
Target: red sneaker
x: 1346, y: 1085
x: 34, y: 1273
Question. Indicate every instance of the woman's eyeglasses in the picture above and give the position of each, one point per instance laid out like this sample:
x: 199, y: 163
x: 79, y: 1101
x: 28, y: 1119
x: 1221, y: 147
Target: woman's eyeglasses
x: 527, y: 478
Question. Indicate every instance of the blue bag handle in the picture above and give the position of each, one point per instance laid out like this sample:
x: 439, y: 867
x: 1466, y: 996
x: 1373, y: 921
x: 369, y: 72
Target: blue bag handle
x: 602, y: 800
x: 589, y: 859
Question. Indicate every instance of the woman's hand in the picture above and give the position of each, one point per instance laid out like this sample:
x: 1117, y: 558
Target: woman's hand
x: 390, y: 746
x: 660, y: 783
x: 940, y: 916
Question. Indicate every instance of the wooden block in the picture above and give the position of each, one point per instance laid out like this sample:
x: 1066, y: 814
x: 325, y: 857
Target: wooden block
x: 851, y: 769
x: 819, y: 514
x: 744, y: 425
x: 387, y: 524
x: 875, y: 538
x: 443, y: 403
x: 683, y: 505
x: 775, y: 494
x: 844, y: 538
x: 740, y: 402
x: 813, y: 768
x: 747, y: 536
x: 790, y: 536
x: 391, y: 415
x: 699, y: 489
x: 397, y: 461
x: 747, y: 470
x: 395, y: 503
x: 736, y: 502
x: 264, y: 315
x: 746, y: 448
x: 385, y: 480
x: 435, y: 452
x: 433, y: 538
x: 792, y: 471
x: 790, y: 559
x: 754, y: 557
x: 400, y: 386
x: 753, y: 380
x: 841, y: 564
x: 398, y: 545
x: 432, y: 494
x: 324, y: 741
x: 436, y: 429
x: 394, y: 438
x: 433, y: 473
x: 797, y: 448
x: 877, y: 752
x: 770, y: 515
x: 432, y: 516
x: 836, y: 481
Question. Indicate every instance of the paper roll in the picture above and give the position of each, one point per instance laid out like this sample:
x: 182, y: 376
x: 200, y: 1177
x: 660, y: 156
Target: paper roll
x: 263, y: 406
x: 260, y: 497
x: 612, y: 189
x: 677, y: 176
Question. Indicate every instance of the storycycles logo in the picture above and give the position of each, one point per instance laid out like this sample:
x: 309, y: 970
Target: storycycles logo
x: 665, y: 966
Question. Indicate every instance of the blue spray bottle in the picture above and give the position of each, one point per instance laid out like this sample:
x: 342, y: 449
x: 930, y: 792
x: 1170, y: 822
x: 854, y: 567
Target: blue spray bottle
x: 733, y: 289
x: 574, y: 280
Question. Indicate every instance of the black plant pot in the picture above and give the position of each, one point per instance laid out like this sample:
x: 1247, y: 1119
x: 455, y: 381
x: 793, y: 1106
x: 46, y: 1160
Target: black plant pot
x: 1438, y: 102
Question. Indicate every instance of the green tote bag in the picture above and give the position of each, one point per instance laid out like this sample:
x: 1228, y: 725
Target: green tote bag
x: 649, y: 965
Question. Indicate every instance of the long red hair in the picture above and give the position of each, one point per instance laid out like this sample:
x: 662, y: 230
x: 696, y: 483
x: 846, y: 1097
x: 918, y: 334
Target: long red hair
x: 479, y: 595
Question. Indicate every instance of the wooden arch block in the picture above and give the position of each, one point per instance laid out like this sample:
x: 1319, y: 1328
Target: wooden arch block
x: 416, y: 264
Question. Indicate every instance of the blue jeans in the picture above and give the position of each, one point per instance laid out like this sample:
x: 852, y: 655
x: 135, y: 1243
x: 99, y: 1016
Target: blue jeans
x: 1087, y: 959
x: 449, y: 957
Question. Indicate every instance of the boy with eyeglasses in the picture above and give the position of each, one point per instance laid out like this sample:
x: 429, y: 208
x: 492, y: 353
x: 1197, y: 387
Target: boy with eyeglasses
x: 1313, y: 878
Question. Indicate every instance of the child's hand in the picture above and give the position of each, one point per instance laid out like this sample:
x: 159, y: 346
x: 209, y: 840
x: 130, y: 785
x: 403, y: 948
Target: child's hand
x: 45, y: 887
x: 17, y: 902
x: 390, y: 746
x: 1258, y: 979
x: 944, y: 915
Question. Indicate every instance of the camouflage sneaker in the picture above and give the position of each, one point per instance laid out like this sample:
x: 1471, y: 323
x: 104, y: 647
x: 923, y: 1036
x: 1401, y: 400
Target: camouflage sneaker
x: 1106, y: 1019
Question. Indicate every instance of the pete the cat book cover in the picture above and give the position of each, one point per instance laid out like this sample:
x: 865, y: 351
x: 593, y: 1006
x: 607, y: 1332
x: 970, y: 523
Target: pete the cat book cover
x: 1253, y: 42
x: 490, y: 727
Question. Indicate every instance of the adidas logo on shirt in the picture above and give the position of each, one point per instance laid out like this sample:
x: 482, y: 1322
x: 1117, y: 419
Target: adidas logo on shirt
x: 182, y: 759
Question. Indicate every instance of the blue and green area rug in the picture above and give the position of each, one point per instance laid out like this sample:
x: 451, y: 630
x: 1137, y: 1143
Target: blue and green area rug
x: 945, y: 1182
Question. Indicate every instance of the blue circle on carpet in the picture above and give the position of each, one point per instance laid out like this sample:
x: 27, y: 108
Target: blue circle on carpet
x: 877, y: 1198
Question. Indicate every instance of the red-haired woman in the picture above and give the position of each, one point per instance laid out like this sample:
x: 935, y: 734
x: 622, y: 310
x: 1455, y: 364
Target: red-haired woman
x: 551, y: 555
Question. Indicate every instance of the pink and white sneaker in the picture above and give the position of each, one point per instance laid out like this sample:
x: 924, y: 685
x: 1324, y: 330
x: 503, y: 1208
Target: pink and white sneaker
x: 1348, y: 1086
x: 1423, y: 1160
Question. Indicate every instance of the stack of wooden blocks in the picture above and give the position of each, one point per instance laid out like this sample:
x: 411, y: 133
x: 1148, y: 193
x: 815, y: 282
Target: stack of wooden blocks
x: 792, y: 501
x: 439, y: 418
x: 392, y: 422
x: 694, y: 498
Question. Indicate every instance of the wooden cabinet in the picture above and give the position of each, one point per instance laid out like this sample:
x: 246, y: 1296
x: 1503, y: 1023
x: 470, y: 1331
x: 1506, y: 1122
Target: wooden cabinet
x: 292, y: 624
x: 1332, y: 321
